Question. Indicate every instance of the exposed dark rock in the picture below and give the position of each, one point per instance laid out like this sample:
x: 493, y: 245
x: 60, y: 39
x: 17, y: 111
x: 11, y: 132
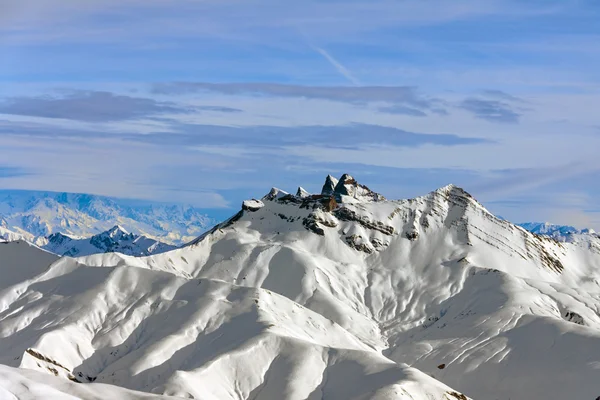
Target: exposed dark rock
x: 430, y: 321
x: 412, y: 235
x: 357, y: 242
x: 575, y: 318
x: 312, y: 225
x: 329, y: 186
x: 302, y: 193
x: 342, y: 186
x: 290, y: 198
x: 40, y: 356
x: 345, y: 214
x: 330, y: 204
x: 458, y: 396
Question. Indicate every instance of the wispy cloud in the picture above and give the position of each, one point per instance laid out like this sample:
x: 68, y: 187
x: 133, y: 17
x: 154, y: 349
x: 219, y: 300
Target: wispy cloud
x: 346, y: 94
x: 217, y: 18
x: 96, y: 106
x: 401, y: 99
x: 402, y: 110
x: 338, y: 66
x: 491, y: 110
x: 350, y: 136
x: 86, y: 106
x: 10, y: 172
x: 501, y: 95
x: 508, y: 182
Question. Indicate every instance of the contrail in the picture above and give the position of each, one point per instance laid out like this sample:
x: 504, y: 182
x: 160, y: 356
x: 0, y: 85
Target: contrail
x: 339, y: 67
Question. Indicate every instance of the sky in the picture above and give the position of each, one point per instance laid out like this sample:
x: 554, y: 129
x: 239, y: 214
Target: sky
x: 210, y: 102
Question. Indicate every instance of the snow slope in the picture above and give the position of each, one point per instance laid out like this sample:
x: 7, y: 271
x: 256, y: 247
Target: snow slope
x: 153, y: 331
x: 43, y: 213
x: 115, y: 239
x: 325, y: 296
x: 24, y: 384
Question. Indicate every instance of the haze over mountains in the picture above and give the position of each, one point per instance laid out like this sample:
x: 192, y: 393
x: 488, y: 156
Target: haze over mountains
x: 563, y: 233
x: 338, y: 295
x: 39, y: 214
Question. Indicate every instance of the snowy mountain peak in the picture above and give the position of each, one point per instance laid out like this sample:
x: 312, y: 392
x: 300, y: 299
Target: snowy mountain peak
x: 301, y: 192
x: 117, y: 232
x: 348, y: 190
x: 59, y: 238
x: 275, y: 193
x: 329, y: 186
x: 454, y: 190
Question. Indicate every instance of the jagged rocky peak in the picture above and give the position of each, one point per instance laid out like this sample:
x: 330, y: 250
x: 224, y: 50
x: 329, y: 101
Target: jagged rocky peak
x: 343, y: 190
x: 345, y: 186
x: 329, y: 186
x: 117, y: 232
x: 348, y: 188
x: 275, y: 193
x: 301, y: 192
x: 59, y: 238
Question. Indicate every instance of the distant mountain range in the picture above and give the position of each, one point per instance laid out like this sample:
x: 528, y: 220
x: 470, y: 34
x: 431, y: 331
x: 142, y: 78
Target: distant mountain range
x: 114, y: 240
x: 35, y: 215
x: 562, y: 233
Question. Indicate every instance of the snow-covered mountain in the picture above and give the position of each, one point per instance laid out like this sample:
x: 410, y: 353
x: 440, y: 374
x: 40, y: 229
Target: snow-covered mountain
x: 562, y: 233
x: 43, y: 213
x: 10, y: 236
x: 339, y: 295
x: 116, y: 239
x: 69, y: 329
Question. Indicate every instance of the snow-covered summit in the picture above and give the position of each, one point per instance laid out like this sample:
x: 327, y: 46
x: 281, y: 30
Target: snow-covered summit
x: 301, y: 192
x: 329, y: 186
x: 117, y: 231
x: 347, y: 189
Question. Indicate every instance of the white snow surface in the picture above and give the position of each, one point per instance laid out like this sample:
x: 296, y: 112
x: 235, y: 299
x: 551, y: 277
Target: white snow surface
x: 426, y: 298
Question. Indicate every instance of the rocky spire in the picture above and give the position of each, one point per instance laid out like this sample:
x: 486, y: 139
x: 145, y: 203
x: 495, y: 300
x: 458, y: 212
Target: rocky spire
x: 329, y: 186
x: 301, y: 192
x: 346, y: 186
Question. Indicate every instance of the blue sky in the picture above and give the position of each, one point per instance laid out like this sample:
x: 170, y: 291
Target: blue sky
x: 210, y: 102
